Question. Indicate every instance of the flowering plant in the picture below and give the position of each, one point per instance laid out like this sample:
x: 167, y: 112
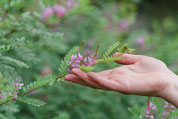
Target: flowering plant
x: 72, y: 60
x: 35, y: 35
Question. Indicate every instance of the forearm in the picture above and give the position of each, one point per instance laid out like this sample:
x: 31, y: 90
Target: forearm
x: 171, y: 93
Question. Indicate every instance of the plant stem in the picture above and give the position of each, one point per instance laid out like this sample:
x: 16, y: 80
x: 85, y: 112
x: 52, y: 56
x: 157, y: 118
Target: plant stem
x: 28, y: 91
x: 60, y: 76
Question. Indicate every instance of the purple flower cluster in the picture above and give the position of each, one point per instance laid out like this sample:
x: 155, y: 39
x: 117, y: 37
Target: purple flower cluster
x: 150, y: 111
x: 78, y: 60
x: 57, y: 9
x: 168, y: 109
x: 18, y: 86
x: 141, y: 42
x: 45, y: 71
x: 123, y: 25
x: 71, y: 3
x: 88, y: 50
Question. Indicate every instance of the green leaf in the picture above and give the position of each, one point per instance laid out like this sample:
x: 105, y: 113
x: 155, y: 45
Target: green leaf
x: 86, y: 68
x: 12, y: 61
x: 32, y: 101
x: 174, y: 114
x: 126, y: 49
x: 108, y: 59
x: 3, y: 116
x: 135, y: 111
x: 111, y: 49
x: 5, y: 92
x: 41, y: 81
x: 5, y: 47
x: 63, y: 66
x: 63, y: 115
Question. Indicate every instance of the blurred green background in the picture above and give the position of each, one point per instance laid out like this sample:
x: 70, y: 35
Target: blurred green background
x: 44, y: 35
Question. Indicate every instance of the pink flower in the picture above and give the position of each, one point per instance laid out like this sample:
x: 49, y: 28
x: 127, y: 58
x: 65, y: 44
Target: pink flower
x: 18, y: 85
x: 0, y: 97
x: 149, y: 115
x: 165, y: 114
x: 15, y: 95
x: 168, y: 109
x: 45, y: 71
x: 150, y: 111
x: 33, y: 92
x: 69, y: 3
x: 47, y: 13
x: 140, y: 41
x: 77, y: 60
x: 59, y: 10
x: 123, y: 25
x: 89, y: 43
x: 88, y: 52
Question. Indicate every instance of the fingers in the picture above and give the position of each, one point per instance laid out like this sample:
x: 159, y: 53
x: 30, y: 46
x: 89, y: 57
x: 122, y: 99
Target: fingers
x: 84, y: 77
x: 75, y: 79
x: 104, y: 81
x: 128, y: 59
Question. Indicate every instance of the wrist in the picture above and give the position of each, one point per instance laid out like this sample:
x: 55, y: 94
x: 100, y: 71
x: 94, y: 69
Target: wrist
x: 170, y: 93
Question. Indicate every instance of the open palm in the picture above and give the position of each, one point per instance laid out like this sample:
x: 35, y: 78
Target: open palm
x: 140, y: 75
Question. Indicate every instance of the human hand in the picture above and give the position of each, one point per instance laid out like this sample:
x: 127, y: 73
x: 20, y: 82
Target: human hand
x: 141, y: 75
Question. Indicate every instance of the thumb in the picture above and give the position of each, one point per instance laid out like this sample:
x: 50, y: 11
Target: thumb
x: 127, y: 59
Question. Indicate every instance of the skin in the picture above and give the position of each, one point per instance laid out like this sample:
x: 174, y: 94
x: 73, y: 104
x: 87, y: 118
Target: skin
x: 139, y: 75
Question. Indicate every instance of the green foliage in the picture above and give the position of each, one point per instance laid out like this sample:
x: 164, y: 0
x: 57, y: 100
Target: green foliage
x: 136, y: 112
x: 111, y: 49
x: 5, y: 92
x: 9, y: 110
x: 5, y: 48
x: 63, y: 66
x: 41, y: 81
x: 126, y: 49
x: 11, y: 61
x: 31, y: 101
x: 28, y: 41
x: 109, y: 59
x: 62, y: 116
x: 86, y: 68
x: 3, y: 117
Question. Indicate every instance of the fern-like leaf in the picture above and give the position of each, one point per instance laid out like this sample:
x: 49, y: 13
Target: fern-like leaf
x: 3, y: 116
x: 13, y: 61
x: 86, y: 68
x: 126, y: 49
x: 111, y: 49
x: 173, y: 114
x: 41, y: 81
x: 5, y: 47
x: 5, y: 92
x: 32, y: 101
x: 135, y: 112
x: 108, y: 59
x: 63, y: 65
x: 63, y: 115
